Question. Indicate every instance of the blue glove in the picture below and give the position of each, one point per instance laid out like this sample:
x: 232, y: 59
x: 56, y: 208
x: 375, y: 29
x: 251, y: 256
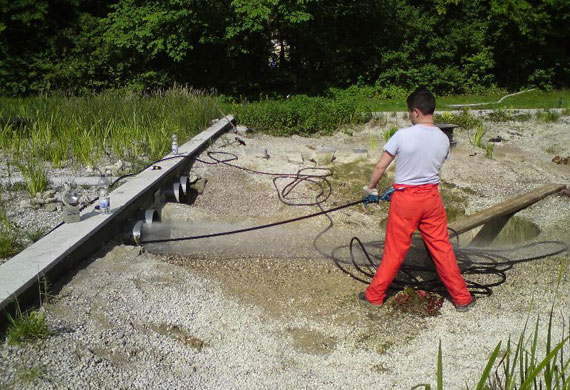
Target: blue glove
x: 369, y: 196
x: 387, y: 195
x: 370, y: 199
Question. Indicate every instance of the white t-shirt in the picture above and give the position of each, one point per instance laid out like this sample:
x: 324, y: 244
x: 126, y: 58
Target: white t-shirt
x: 420, y: 152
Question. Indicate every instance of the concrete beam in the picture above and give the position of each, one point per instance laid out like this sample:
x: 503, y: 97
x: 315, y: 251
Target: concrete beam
x: 69, y: 244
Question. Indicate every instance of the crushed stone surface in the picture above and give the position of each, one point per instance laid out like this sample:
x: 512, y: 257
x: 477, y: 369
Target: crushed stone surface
x: 266, y: 310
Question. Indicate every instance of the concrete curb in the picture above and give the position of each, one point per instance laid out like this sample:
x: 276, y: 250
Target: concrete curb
x: 66, y: 246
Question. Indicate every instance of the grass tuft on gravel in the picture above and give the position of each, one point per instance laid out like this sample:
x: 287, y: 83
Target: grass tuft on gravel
x: 26, y: 327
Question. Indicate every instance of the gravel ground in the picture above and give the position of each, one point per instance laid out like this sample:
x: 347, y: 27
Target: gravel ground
x: 264, y: 310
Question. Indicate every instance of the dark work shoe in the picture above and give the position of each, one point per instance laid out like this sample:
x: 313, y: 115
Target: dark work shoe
x: 362, y: 298
x: 464, y: 308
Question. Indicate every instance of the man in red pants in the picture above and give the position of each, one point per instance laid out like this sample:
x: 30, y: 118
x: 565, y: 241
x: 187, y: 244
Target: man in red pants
x: 416, y: 203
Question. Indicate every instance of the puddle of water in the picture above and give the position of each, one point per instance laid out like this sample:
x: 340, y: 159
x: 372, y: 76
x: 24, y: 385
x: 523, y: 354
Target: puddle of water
x: 517, y: 230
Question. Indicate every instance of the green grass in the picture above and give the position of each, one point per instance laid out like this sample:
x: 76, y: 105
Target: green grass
x: 463, y: 119
x: 504, y: 115
x: 26, y: 327
x: 520, y: 366
x: 548, y: 116
x: 10, y: 243
x: 389, y: 133
x: 477, y: 138
x: 534, y: 99
x: 489, y: 150
x: 29, y: 375
x: 119, y: 125
x: 35, y: 234
x: 35, y: 175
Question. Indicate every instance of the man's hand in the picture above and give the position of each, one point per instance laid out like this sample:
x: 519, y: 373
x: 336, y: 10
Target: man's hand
x: 369, y: 191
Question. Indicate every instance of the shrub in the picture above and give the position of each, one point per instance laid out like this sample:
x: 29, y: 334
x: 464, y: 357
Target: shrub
x: 464, y: 119
x: 300, y: 114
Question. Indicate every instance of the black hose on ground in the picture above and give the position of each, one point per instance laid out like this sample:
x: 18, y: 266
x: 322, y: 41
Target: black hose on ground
x: 492, y: 262
x: 473, y: 262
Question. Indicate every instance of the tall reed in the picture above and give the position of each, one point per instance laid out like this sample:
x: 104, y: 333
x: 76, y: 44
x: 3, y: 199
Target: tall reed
x: 111, y: 125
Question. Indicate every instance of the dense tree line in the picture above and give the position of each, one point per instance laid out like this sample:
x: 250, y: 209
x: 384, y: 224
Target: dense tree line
x: 293, y: 46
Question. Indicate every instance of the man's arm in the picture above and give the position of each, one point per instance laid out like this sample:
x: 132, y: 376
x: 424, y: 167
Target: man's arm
x: 379, y: 169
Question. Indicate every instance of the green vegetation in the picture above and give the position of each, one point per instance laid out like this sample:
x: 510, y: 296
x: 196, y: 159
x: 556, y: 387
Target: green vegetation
x: 347, y: 181
x: 35, y: 175
x: 454, y: 200
x: 520, y: 366
x: 389, y: 133
x: 30, y: 375
x: 548, y: 116
x: 119, y: 125
x: 279, y: 47
x: 504, y: 115
x: 534, y: 99
x: 477, y: 138
x: 10, y: 244
x: 26, y: 327
x: 464, y: 119
x: 300, y: 114
x: 489, y: 149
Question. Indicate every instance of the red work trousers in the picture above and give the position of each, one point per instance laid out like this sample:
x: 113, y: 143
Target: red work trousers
x: 417, y: 208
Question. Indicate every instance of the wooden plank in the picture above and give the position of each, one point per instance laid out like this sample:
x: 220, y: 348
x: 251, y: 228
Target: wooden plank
x: 508, y: 207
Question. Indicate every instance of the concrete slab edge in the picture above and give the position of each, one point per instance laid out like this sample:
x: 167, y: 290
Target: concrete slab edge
x: 26, y: 268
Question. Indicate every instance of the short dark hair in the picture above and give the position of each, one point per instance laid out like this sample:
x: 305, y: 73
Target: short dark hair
x: 423, y: 100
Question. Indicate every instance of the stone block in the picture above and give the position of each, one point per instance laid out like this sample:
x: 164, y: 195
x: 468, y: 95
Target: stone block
x: 324, y: 155
x: 257, y: 152
x: 25, y: 204
x: 295, y: 157
x: 48, y: 194
x: 356, y: 155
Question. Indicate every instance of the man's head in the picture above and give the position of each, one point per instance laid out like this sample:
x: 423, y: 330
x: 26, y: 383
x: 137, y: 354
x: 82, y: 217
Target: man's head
x: 420, y: 103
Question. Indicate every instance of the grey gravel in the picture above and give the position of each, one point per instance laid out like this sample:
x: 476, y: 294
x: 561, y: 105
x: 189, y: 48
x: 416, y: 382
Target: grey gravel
x: 134, y: 319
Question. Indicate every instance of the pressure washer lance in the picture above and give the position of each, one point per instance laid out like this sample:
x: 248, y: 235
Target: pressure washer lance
x: 386, y: 196
x: 104, y: 197
x: 174, y: 144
